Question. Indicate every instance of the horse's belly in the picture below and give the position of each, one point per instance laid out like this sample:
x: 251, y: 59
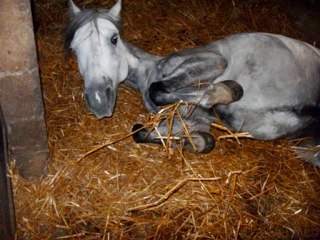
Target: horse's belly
x: 263, y: 125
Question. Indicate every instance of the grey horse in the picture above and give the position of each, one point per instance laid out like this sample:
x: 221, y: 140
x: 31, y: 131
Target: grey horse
x: 261, y: 83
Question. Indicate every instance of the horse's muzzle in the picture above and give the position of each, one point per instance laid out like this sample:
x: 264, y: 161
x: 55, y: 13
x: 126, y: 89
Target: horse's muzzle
x: 101, y: 102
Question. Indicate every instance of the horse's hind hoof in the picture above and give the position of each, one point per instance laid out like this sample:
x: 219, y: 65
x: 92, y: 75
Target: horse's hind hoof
x: 139, y: 136
x: 204, y: 142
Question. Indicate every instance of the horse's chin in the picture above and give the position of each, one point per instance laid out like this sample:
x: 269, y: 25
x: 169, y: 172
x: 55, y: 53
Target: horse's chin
x: 101, y: 115
x: 101, y: 110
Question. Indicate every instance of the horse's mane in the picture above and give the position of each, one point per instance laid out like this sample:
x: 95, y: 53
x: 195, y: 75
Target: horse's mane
x: 82, y: 18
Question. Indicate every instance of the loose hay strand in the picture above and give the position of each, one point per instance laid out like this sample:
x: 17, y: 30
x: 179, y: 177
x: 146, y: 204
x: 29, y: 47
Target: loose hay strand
x: 168, y: 194
x: 103, y: 145
x: 231, y: 134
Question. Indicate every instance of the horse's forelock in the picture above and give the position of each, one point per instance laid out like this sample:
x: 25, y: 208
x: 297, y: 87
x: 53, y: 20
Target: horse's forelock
x: 84, y: 17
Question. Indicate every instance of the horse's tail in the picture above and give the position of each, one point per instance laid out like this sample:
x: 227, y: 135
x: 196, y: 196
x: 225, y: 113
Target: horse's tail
x: 309, y: 152
x: 308, y: 148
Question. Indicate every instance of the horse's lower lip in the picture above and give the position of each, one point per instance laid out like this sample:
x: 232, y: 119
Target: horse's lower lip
x: 101, y: 110
x: 100, y: 116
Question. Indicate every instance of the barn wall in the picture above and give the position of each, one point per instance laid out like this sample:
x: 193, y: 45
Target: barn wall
x: 20, y: 89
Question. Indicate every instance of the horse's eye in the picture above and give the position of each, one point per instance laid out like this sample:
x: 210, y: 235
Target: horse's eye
x: 114, y: 39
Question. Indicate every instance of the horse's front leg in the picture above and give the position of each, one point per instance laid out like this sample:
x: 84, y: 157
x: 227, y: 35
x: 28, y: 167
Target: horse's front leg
x: 197, y: 138
x: 194, y: 68
x: 206, y: 96
x: 184, y: 71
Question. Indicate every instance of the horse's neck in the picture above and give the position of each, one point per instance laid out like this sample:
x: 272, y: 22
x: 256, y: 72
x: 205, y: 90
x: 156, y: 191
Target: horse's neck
x: 140, y: 64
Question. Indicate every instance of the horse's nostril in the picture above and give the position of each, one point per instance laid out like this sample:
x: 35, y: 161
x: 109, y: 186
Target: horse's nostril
x: 108, y: 91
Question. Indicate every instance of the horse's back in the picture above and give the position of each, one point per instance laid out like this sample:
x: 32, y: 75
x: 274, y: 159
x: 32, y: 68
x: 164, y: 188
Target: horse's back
x: 281, y: 81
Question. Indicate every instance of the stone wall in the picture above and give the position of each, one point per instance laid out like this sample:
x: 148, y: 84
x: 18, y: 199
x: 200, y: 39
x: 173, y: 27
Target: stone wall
x: 20, y: 89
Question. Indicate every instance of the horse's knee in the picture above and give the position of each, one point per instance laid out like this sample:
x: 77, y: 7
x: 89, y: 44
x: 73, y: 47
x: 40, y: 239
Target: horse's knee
x: 202, y: 142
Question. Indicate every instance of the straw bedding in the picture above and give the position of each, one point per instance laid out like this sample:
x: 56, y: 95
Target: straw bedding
x: 256, y: 190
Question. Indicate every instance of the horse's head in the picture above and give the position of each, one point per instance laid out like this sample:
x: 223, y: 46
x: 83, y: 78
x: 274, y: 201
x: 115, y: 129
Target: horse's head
x: 94, y: 37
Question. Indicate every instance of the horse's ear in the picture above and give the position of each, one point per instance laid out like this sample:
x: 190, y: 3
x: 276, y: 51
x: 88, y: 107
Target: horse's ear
x: 73, y: 9
x: 116, y: 9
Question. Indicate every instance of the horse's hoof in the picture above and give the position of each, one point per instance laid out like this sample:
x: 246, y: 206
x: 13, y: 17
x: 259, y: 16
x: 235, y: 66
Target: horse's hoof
x: 236, y: 89
x: 204, y: 142
x: 156, y: 92
x: 141, y: 135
